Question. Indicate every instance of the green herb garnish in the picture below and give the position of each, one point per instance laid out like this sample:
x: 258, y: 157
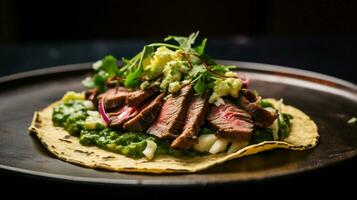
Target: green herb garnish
x: 169, y: 66
x: 104, y: 69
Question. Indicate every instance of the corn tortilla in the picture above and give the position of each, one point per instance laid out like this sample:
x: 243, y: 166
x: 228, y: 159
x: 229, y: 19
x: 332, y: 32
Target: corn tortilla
x: 303, y: 135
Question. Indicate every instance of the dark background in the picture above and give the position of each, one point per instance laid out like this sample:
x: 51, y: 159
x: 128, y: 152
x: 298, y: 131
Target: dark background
x: 315, y: 35
x: 31, y: 21
x: 318, y: 35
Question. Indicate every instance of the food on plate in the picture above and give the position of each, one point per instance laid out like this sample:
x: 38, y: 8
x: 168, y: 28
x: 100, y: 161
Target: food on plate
x: 170, y: 108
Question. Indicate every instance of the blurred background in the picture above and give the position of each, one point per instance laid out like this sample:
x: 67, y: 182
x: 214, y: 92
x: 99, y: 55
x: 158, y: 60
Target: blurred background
x: 316, y: 35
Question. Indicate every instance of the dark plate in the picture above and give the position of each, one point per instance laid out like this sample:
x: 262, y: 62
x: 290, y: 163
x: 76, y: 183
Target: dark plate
x: 329, y: 101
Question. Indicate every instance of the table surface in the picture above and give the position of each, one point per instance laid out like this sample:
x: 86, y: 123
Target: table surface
x: 331, y: 56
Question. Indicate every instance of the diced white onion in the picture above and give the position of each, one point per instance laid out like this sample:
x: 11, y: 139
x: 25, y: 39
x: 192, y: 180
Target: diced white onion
x: 184, y: 82
x: 236, y: 145
x: 93, y: 113
x: 219, y: 146
x: 275, y: 127
x: 93, y: 120
x: 205, y: 142
x: 88, y: 104
x: 150, y: 149
x: 97, y: 64
x: 219, y: 102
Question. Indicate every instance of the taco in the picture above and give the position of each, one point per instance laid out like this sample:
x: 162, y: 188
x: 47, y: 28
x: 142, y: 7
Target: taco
x: 170, y: 108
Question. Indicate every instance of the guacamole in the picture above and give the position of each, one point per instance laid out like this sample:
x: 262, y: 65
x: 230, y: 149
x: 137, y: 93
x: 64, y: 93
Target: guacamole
x: 70, y: 115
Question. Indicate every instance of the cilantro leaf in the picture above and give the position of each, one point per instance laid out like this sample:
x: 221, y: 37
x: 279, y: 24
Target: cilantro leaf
x: 219, y: 68
x: 104, y: 69
x: 200, y: 85
x: 125, y: 61
x: 97, y: 81
x: 133, y: 78
x: 184, y: 42
x: 200, y: 49
x: 196, y: 71
x: 109, y: 65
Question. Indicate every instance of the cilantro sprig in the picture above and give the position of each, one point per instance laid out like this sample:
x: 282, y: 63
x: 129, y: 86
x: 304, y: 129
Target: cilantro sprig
x: 203, y: 71
x: 104, y: 69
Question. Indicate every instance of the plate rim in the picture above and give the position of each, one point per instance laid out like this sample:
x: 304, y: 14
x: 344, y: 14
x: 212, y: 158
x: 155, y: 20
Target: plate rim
x: 107, y: 181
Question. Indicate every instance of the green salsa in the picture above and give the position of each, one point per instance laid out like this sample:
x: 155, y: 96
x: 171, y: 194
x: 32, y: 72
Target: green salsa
x: 70, y: 115
x: 73, y: 116
x: 128, y: 144
x: 78, y: 118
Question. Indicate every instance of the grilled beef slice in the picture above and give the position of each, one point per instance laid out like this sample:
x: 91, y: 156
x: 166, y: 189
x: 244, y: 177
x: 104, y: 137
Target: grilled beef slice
x: 91, y: 95
x: 170, y: 120
x: 115, y: 97
x: 146, y: 115
x: 195, y: 117
x: 119, y: 96
x: 261, y: 116
x: 230, y: 121
x: 137, y: 97
x: 121, y: 115
x: 251, y: 96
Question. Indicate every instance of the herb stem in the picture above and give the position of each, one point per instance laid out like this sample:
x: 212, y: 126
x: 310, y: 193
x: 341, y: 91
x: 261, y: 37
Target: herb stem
x: 212, y: 72
x: 131, y: 63
x: 143, y: 52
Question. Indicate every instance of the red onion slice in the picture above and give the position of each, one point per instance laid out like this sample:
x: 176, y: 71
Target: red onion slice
x: 103, y: 113
x: 246, y: 82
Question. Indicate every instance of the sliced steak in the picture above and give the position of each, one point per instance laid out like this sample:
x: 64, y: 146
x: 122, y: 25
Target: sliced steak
x: 251, y: 96
x: 122, y: 115
x: 146, y: 115
x: 115, y: 97
x: 170, y: 120
x: 195, y: 117
x: 119, y: 96
x: 137, y: 97
x: 261, y: 117
x: 243, y: 102
x: 246, y: 97
x: 91, y: 95
x: 230, y: 121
